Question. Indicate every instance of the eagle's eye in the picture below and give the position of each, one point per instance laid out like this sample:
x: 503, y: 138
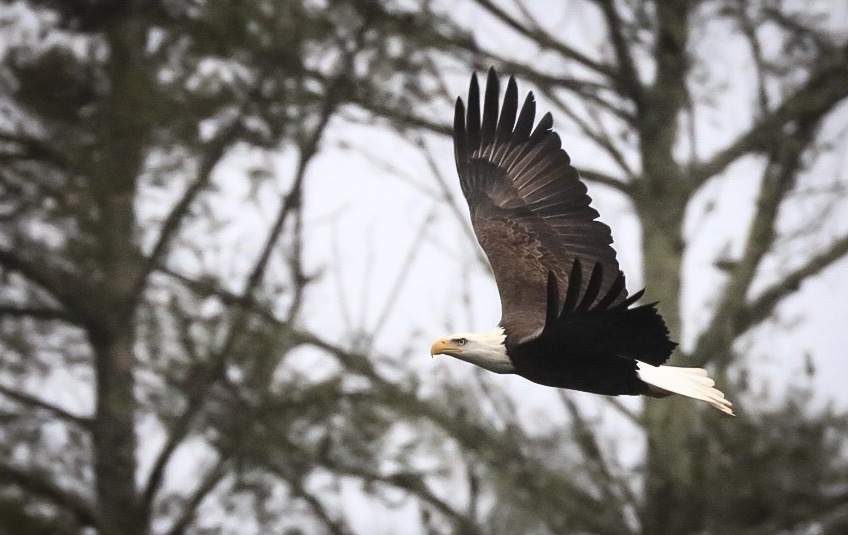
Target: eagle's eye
x: 461, y: 341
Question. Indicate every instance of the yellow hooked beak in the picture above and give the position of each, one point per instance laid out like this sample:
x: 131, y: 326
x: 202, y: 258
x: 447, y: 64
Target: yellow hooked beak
x: 444, y: 346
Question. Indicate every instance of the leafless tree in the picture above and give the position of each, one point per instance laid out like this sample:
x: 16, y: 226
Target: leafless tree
x: 639, y: 90
x: 151, y: 364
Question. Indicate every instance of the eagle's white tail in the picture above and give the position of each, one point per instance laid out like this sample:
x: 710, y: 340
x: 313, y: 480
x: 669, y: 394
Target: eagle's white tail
x: 691, y: 382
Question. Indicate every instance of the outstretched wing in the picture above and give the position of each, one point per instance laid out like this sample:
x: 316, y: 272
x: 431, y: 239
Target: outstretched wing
x: 529, y: 209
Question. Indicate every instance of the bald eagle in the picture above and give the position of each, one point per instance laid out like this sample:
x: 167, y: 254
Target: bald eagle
x: 566, y: 318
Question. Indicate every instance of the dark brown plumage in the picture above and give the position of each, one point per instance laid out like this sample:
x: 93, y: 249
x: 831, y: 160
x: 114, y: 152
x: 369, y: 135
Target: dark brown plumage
x: 565, y: 310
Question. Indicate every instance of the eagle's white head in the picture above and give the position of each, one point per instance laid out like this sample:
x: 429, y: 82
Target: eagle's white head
x: 486, y: 350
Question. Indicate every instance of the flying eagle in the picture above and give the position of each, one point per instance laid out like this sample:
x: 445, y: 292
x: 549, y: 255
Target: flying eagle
x: 567, y: 320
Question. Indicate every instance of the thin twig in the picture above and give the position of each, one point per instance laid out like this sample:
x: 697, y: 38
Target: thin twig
x: 824, y: 89
x: 403, y: 274
x: 58, y: 412
x: 546, y: 40
x: 42, y: 487
x: 207, y: 484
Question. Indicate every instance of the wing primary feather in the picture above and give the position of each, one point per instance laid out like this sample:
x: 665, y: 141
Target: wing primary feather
x: 613, y: 293
x: 472, y: 121
x: 545, y: 126
x: 572, y: 293
x: 506, y: 122
x: 632, y: 299
x: 510, y: 107
x: 460, y: 142
x: 552, y: 312
x: 593, y: 287
x: 490, y: 112
x: 524, y: 126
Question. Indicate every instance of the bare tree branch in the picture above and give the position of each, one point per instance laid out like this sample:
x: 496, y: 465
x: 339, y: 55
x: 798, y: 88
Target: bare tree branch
x: 627, y: 81
x: 449, y: 199
x: 403, y: 273
x: 763, y: 306
x: 589, y: 91
x: 749, y: 30
x: 33, y: 312
x: 410, y: 482
x: 336, y: 526
x: 207, y: 484
x: 619, y: 407
x: 796, y: 27
x: 546, y: 40
x: 32, y: 148
x: 398, y: 117
x: 58, y: 412
x: 42, y: 487
x: 825, y: 88
x: 778, y: 180
x: 603, y: 141
x: 604, y: 179
x: 212, y: 154
x: 828, y: 520
x: 614, y: 489
x: 65, y: 287
x: 498, y: 451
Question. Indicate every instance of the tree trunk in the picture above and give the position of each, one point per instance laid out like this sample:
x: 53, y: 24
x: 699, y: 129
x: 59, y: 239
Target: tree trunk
x: 671, y: 505
x: 114, y: 436
x: 121, y: 126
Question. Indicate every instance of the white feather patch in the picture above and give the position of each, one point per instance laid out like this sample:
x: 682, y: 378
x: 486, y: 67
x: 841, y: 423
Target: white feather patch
x: 690, y: 382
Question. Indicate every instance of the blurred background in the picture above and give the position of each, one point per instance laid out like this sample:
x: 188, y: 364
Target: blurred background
x: 229, y: 232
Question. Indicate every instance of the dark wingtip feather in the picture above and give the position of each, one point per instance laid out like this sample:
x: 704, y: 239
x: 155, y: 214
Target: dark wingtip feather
x: 613, y: 293
x: 632, y: 299
x: 460, y: 142
x: 459, y: 115
x: 546, y: 125
x: 524, y: 126
x: 472, y: 120
x: 510, y: 108
x: 490, y: 109
x: 593, y: 287
x: 572, y: 293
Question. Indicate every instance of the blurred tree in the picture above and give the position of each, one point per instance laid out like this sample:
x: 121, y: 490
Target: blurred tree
x: 107, y: 106
x: 645, y: 87
x: 122, y: 127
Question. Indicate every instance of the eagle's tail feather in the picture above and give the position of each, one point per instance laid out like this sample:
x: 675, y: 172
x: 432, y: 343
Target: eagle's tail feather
x: 690, y: 382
